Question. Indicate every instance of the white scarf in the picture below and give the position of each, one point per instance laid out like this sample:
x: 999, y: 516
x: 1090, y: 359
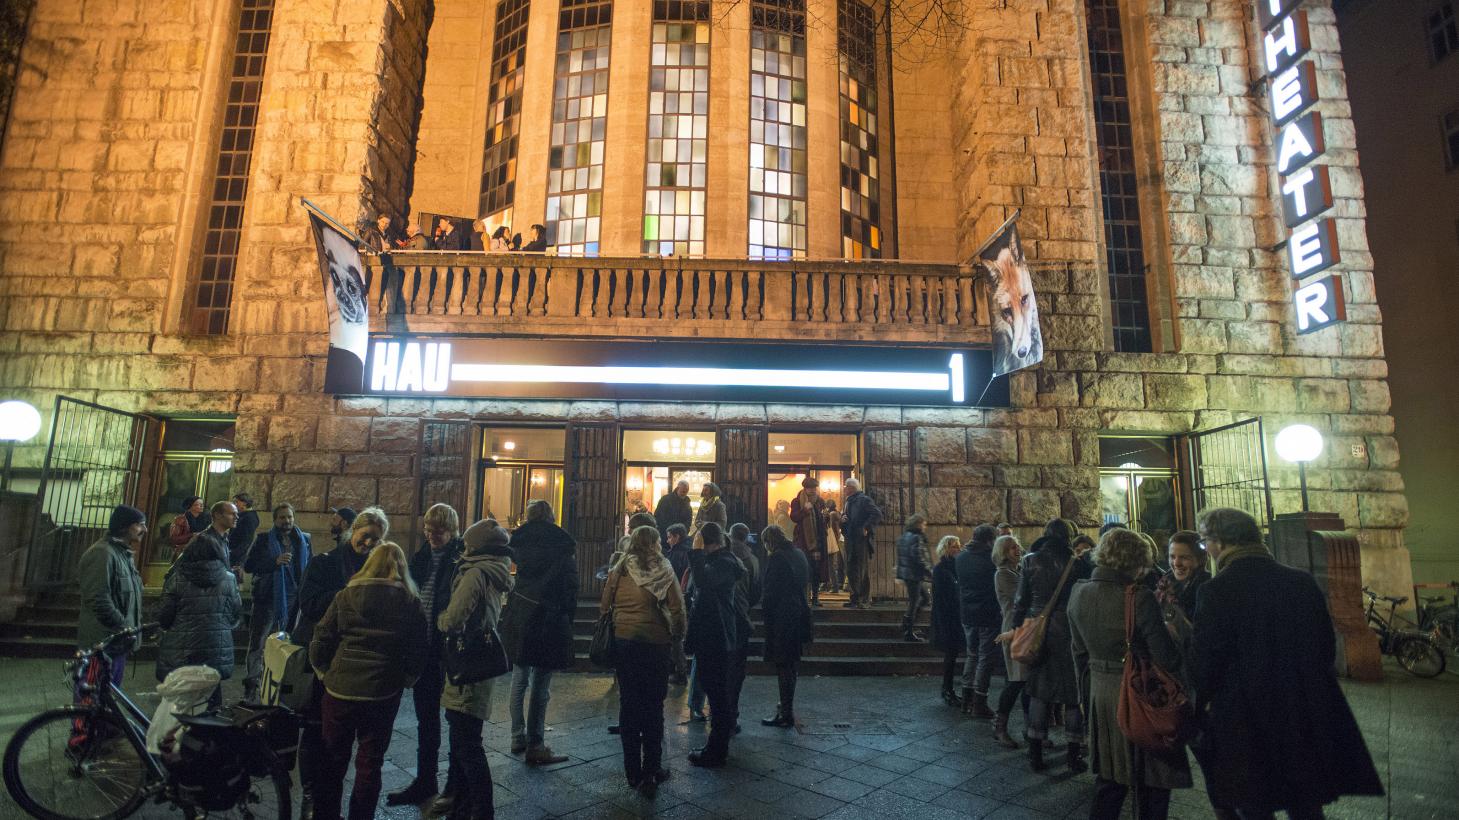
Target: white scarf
x: 655, y: 581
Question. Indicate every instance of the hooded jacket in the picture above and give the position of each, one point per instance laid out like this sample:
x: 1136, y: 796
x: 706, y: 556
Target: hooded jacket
x: 371, y: 643
x: 200, y: 608
x: 478, y: 587
x: 540, y: 633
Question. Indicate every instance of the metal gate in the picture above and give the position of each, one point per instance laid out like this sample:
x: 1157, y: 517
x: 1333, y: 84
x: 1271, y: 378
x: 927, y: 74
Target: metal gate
x: 95, y: 460
x: 888, y: 458
x: 1229, y: 469
x: 740, y: 471
x: 592, y: 499
x: 445, y: 475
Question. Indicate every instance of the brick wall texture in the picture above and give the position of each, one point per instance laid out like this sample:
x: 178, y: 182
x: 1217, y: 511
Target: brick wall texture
x: 108, y: 149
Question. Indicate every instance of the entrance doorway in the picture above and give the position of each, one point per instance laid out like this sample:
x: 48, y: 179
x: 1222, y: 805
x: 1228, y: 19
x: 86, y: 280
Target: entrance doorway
x: 197, y: 460
x: 1137, y: 484
x: 519, y: 464
x: 655, y: 461
x: 830, y: 458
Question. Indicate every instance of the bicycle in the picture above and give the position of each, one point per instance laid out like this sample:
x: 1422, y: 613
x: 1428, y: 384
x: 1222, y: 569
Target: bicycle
x: 1416, y: 651
x: 90, y: 761
x: 1440, y: 616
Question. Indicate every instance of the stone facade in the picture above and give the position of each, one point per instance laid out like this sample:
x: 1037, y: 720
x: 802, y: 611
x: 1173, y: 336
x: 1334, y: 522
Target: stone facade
x: 108, y: 151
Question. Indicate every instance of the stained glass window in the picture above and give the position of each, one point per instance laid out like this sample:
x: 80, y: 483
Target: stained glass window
x: 678, y: 130
x: 504, y: 108
x: 860, y: 175
x: 579, y: 127
x: 777, y: 129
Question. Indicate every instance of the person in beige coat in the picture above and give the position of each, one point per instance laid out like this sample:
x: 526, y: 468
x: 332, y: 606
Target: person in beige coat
x: 482, y: 580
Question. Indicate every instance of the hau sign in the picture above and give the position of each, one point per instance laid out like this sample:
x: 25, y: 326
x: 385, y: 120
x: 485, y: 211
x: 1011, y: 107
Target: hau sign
x: 1312, y: 245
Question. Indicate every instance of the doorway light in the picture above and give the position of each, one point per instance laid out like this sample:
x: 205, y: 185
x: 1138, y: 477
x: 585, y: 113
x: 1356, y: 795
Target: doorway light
x: 509, y: 445
x: 780, y: 448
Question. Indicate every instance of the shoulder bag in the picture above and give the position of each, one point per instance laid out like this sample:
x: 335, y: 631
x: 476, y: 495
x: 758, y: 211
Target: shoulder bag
x: 1027, y: 644
x: 473, y: 654
x: 1153, y: 712
x: 602, y: 651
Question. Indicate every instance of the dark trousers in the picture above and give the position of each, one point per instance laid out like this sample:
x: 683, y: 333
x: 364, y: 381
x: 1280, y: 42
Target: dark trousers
x: 786, y: 675
x: 949, y: 666
x: 1295, y: 813
x: 1109, y: 801
x: 916, y: 600
x: 739, y: 663
x: 858, y: 577
x: 469, y: 774
x: 1040, y: 712
x: 1009, y: 696
x: 427, y: 697
x: 311, y: 742
x: 347, y: 724
x: 262, y: 622
x: 715, y: 674
x: 642, y: 670
x: 983, y: 655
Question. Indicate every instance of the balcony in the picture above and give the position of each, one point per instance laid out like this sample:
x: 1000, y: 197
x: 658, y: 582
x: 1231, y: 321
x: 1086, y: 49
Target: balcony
x: 479, y: 293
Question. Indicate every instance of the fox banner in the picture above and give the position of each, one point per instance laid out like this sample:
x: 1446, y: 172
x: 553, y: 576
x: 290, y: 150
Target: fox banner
x: 344, y: 294
x: 1018, y: 340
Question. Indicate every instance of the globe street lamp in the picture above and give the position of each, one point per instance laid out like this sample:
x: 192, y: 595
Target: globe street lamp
x: 18, y: 422
x: 1300, y: 443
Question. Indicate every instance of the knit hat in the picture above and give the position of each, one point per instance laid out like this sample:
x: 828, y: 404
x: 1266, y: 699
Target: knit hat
x: 346, y: 514
x: 123, y: 517
x: 485, y: 535
x: 810, y: 482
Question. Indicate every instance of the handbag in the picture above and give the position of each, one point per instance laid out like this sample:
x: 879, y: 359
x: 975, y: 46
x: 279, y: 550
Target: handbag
x: 473, y: 655
x: 1154, y: 712
x: 288, y: 679
x: 1027, y: 645
x: 602, y: 650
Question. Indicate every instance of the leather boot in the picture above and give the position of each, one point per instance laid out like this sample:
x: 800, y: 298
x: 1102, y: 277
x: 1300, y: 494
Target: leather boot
x: 979, y: 708
x: 1074, y: 757
x: 967, y: 698
x: 413, y: 795
x: 1000, y: 732
x: 951, y: 699
x: 1035, y: 755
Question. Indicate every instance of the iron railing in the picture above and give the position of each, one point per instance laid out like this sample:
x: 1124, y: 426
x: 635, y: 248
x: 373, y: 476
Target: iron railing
x: 1229, y: 469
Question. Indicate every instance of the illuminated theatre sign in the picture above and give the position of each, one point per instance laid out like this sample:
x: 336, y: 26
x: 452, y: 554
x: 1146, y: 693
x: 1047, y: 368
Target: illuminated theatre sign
x: 682, y: 371
x: 1306, y: 187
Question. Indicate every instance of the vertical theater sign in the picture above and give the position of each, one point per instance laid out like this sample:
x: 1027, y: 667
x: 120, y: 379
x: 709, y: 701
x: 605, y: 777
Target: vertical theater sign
x: 1312, y: 245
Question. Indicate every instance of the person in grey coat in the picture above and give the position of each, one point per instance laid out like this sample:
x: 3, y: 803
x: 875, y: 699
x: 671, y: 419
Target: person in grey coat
x: 111, y: 590
x: 200, y: 608
x: 1097, y: 629
x: 1007, y: 553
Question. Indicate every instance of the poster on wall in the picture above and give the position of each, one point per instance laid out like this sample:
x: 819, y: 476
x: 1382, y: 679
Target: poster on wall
x: 1018, y: 340
x: 345, y: 298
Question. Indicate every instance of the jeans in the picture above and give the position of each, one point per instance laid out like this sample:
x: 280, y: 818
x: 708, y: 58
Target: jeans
x: 347, y: 723
x: 982, y: 657
x: 532, y: 727
x: 262, y: 622
x: 838, y: 570
x: 1038, y: 720
x: 642, y: 686
x: 1109, y: 801
x: 786, y: 675
x: 469, y: 774
x: 916, y: 600
x: 858, y: 579
x: 696, y: 692
x: 427, y: 697
x: 715, y: 672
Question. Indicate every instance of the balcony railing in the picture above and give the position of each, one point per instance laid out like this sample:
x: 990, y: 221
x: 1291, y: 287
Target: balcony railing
x: 450, y: 292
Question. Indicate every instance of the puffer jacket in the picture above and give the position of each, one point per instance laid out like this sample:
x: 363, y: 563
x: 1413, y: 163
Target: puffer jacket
x: 371, y: 643
x: 912, y: 561
x: 481, y: 582
x: 200, y: 608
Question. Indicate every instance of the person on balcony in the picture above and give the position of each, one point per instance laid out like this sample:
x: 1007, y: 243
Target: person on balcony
x: 415, y: 238
x: 538, y: 242
x: 448, y: 238
x: 501, y: 240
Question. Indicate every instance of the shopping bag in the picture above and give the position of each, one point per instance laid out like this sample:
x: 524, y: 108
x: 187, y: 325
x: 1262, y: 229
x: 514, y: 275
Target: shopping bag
x: 288, y: 680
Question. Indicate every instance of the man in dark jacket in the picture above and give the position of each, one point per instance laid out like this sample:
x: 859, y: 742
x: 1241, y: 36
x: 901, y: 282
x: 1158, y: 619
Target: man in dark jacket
x: 1277, y: 732
x: 861, y: 516
x: 914, y: 570
x: 224, y: 516
x: 673, y: 508
x: 676, y: 541
x: 110, y: 585
x: 433, y: 569
x: 340, y: 521
x: 240, y: 538
x: 277, y: 561
x: 981, y: 617
x: 717, y: 634
x: 747, y: 595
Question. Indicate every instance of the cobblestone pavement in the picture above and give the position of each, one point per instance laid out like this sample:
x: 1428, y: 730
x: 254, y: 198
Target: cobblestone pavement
x: 869, y: 748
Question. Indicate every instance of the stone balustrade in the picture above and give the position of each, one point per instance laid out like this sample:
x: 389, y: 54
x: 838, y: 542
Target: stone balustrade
x: 474, y: 292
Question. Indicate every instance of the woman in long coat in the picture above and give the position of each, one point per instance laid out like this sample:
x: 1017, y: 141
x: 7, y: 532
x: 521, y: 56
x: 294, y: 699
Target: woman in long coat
x: 1007, y: 553
x: 787, y: 617
x: 1051, y: 681
x: 1097, y: 628
x: 808, y: 512
x: 947, y: 623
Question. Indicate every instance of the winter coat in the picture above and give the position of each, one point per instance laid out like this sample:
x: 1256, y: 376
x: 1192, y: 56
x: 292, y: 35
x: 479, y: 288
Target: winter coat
x: 715, y: 623
x: 977, y: 592
x: 273, y: 585
x: 371, y: 643
x: 540, y: 634
x: 679, y: 558
x: 860, y: 516
x: 673, y: 509
x: 810, y: 526
x: 1097, y: 629
x: 1277, y: 730
x: 420, y: 570
x: 711, y: 510
x: 912, y: 561
x: 749, y: 588
x: 787, y: 614
x: 638, y: 613
x: 1052, y: 679
x: 1177, y: 601
x: 325, y: 576
x: 1006, y: 582
x: 111, y: 592
x: 479, y: 584
x: 947, y: 624
x: 200, y: 608
x: 184, y: 527
x: 240, y: 538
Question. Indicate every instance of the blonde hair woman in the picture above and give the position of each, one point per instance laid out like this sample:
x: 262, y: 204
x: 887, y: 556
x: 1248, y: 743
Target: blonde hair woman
x: 947, y: 624
x: 648, y: 616
x: 370, y: 645
x: 1007, y: 553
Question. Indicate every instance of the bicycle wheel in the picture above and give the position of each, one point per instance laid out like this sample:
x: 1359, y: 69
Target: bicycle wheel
x: 1420, y: 656
x: 267, y: 799
x: 1445, y: 623
x: 76, y: 764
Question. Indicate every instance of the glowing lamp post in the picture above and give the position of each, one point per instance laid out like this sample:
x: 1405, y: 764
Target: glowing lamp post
x: 1300, y: 443
x: 18, y: 422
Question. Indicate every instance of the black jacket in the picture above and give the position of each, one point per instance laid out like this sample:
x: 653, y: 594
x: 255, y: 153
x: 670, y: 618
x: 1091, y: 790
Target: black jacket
x: 912, y: 561
x: 539, y: 632
x: 947, y: 624
x: 860, y: 516
x: 420, y: 567
x: 262, y: 563
x: 325, y: 576
x: 240, y: 538
x: 1277, y: 730
x: 715, y: 623
x: 788, y: 623
x: 1053, y: 678
x: 679, y: 558
x: 673, y: 509
x: 200, y: 608
x: 977, y: 594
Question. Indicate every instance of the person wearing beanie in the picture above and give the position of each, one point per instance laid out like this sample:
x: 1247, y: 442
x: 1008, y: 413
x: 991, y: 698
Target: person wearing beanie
x: 111, y: 587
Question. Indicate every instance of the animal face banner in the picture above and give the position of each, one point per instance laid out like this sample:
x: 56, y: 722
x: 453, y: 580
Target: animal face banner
x: 1018, y: 340
x: 344, y: 294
